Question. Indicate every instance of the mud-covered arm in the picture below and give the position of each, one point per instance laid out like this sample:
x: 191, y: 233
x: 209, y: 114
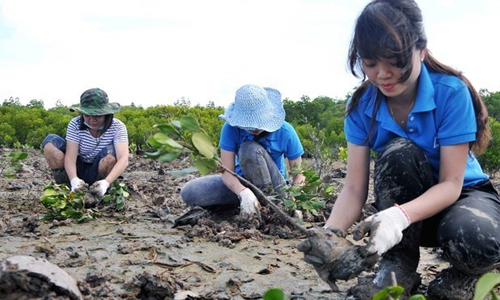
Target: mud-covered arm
x: 232, y: 183
x: 353, y: 195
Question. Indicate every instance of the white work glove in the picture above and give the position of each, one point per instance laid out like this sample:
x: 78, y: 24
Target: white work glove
x: 99, y: 188
x: 78, y: 185
x: 249, y: 205
x: 385, y: 230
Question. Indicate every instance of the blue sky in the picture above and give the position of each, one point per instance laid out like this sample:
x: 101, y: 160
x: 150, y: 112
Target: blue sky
x: 157, y: 51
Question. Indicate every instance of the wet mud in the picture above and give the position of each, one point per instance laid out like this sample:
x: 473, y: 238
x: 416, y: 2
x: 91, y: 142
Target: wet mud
x: 149, y: 252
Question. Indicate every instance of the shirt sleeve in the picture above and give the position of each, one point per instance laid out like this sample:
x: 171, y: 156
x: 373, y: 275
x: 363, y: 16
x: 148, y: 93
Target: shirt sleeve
x: 121, y: 134
x: 72, y: 132
x: 457, y: 123
x: 228, y: 138
x: 354, y: 128
x: 294, y: 148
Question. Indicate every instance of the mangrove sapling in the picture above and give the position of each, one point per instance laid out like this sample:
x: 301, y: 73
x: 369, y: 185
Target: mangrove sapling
x: 64, y: 204
x: 9, y: 164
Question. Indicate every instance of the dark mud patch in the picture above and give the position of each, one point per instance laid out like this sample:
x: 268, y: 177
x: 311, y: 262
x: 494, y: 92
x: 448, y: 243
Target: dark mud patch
x: 142, y: 253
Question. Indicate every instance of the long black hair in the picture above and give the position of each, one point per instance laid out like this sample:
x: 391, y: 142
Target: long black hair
x: 388, y: 29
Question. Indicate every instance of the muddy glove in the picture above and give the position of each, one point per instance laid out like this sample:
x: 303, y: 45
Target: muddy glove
x: 333, y: 256
x: 99, y: 188
x: 385, y: 230
x: 78, y: 185
x: 249, y: 205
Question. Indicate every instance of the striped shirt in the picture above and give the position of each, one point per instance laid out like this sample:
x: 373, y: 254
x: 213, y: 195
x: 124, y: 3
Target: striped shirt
x: 90, y: 146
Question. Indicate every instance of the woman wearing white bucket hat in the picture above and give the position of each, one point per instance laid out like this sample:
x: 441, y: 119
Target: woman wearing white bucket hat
x: 254, y: 142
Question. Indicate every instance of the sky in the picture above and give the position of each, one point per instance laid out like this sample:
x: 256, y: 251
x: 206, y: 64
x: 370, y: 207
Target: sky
x: 156, y: 52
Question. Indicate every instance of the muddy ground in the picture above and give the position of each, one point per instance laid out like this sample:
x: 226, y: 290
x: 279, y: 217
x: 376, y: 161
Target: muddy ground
x: 139, y: 254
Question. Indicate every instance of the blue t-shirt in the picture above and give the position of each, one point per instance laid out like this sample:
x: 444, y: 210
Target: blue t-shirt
x: 443, y: 115
x: 281, y: 143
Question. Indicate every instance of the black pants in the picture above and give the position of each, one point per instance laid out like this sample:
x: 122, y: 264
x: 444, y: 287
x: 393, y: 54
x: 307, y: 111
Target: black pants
x: 467, y: 231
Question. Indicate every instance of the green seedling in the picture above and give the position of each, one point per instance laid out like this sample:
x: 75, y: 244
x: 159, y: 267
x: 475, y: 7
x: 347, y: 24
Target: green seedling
x: 117, y: 194
x: 10, y: 163
x: 63, y: 204
x: 309, y: 196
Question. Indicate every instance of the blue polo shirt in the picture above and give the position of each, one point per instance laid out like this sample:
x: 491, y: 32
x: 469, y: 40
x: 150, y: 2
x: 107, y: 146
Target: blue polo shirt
x: 443, y: 115
x: 281, y: 143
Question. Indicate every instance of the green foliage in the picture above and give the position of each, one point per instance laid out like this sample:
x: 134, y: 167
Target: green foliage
x: 485, y: 286
x: 308, y: 197
x: 184, y: 136
x: 9, y: 164
x: 342, y: 155
x: 274, y: 294
x: 117, y: 194
x: 63, y: 204
x: 490, y: 159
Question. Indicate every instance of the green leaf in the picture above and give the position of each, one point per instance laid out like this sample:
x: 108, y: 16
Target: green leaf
x: 274, y: 294
x: 168, y: 157
x: 203, y: 144
x: 417, y: 297
x: 485, y: 284
x: 289, y: 204
x: 392, y: 291
x: 154, y: 143
x: 190, y: 124
x: 22, y: 155
x: 168, y: 129
x: 153, y: 155
x: 165, y: 140
x: 176, y: 123
x: 183, y: 172
x: 205, y: 165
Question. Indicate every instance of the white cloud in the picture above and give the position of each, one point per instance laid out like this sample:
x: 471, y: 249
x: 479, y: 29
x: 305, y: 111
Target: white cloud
x: 156, y: 52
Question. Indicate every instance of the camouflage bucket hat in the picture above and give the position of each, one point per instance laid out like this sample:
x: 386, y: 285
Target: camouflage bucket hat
x: 95, y: 102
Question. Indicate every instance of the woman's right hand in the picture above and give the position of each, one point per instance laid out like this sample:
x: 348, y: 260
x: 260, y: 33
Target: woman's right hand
x: 249, y: 205
x: 78, y: 185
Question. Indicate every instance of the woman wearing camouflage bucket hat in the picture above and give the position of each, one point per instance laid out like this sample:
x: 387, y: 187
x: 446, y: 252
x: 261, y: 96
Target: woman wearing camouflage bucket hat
x: 96, y: 151
x: 254, y: 142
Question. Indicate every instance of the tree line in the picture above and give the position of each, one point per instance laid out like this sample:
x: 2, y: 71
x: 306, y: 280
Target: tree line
x: 318, y: 122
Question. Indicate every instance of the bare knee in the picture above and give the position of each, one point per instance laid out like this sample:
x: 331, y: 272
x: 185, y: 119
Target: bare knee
x: 106, y: 165
x: 53, y: 156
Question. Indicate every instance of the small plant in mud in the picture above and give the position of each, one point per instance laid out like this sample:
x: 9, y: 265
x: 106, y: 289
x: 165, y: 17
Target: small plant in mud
x: 308, y: 197
x: 10, y: 163
x: 117, y: 194
x: 63, y: 204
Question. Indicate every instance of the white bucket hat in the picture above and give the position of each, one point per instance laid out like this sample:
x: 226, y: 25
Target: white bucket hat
x: 256, y: 108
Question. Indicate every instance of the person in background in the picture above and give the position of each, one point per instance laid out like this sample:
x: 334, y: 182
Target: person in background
x: 95, y: 152
x: 425, y: 121
x: 254, y: 142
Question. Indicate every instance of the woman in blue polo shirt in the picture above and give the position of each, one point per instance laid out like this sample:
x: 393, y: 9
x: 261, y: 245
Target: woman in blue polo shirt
x: 425, y: 121
x: 254, y: 142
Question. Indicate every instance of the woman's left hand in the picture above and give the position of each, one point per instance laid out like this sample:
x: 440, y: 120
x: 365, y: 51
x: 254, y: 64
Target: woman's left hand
x: 385, y: 230
x: 99, y: 188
